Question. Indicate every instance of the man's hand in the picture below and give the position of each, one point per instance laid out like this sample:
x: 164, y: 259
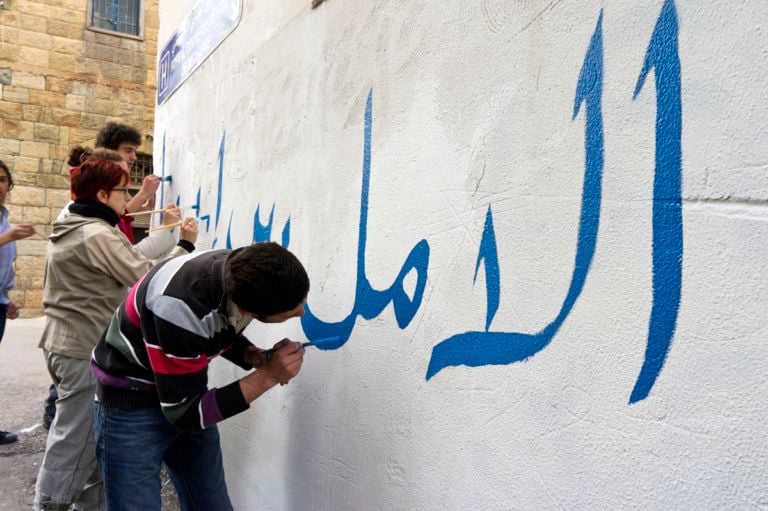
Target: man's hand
x: 12, y: 312
x: 21, y: 231
x: 257, y: 357
x: 280, y: 367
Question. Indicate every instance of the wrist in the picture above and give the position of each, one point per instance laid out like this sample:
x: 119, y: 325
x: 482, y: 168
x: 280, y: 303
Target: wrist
x: 256, y: 384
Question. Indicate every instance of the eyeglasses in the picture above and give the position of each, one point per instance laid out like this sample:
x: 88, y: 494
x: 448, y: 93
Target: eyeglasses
x: 124, y: 190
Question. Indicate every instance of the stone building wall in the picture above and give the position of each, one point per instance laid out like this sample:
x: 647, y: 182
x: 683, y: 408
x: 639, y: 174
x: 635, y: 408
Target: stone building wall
x: 60, y: 82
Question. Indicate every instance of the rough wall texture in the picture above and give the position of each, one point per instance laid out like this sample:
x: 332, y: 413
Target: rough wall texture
x: 59, y: 84
x: 539, y: 227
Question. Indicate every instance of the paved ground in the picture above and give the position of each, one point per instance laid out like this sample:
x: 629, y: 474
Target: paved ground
x: 24, y: 384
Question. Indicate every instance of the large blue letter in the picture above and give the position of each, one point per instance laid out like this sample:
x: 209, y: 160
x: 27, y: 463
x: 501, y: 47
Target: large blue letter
x: 475, y: 348
x: 368, y: 302
x: 663, y: 57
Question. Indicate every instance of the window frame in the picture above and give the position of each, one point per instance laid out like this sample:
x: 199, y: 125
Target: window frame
x: 140, y: 21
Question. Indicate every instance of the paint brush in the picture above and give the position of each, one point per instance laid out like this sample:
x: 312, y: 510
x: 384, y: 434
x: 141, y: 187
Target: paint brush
x: 164, y: 226
x: 150, y: 212
x: 316, y: 342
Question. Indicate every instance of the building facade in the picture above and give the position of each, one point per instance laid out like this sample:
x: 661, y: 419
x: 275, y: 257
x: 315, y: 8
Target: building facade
x: 67, y: 67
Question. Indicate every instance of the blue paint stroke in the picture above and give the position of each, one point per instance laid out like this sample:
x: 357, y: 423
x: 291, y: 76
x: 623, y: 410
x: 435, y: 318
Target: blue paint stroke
x: 286, y: 236
x: 196, y: 206
x: 476, y: 348
x: 228, y: 242
x: 663, y: 57
x: 368, y: 302
x: 162, y: 173
x: 221, y: 178
x: 262, y: 232
x: 207, y: 220
x: 488, y: 255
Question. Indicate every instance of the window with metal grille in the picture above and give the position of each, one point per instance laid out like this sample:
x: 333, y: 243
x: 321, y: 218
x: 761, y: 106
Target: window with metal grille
x: 142, y: 167
x: 122, y: 16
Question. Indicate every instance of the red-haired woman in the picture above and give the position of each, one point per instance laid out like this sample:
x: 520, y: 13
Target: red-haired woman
x: 89, y: 264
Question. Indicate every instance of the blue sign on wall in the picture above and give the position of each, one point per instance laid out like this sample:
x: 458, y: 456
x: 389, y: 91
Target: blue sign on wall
x: 204, y: 28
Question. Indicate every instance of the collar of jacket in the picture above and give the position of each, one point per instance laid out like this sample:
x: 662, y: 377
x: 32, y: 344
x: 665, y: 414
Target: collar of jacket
x: 94, y: 209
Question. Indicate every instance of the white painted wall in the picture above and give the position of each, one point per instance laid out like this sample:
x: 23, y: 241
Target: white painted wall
x: 472, y: 107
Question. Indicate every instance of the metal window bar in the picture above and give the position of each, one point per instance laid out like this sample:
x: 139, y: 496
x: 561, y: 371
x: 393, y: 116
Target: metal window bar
x: 142, y: 167
x: 116, y: 15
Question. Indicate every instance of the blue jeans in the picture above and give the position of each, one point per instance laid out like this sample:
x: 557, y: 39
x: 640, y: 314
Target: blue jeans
x: 3, y: 312
x: 131, y: 446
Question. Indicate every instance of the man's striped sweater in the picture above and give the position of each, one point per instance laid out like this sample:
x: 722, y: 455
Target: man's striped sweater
x: 156, y: 349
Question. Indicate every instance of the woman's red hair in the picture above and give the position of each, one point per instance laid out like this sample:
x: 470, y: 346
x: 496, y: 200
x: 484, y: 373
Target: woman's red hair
x: 94, y: 175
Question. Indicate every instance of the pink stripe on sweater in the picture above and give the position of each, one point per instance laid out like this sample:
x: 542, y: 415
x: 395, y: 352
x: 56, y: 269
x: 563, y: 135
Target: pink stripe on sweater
x: 130, y: 305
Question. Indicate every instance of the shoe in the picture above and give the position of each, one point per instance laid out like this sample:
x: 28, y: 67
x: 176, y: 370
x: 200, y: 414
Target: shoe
x: 47, y: 420
x: 7, y: 438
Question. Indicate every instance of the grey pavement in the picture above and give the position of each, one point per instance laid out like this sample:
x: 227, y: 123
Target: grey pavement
x: 24, y: 384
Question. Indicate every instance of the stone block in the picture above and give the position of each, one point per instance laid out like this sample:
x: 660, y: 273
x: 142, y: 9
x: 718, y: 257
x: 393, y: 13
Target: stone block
x: 103, y: 39
x: 22, y: 130
x: 34, y: 39
x: 127, y: 110
x: 31, y: 247
x: 35, y: 149
x: 33, y: 23
x: 34, y: 57
x: 82, y: 88
x: 64, y: 136
x: 15, y: 94
x: 94, y: 122
x: 37, y: 215
x: 10, y: 18
x: 74, y: 5
x: 66, y: 15
x: 33, y: 303
x: 47, y: 98
x: 52, y: 166
x: 31, y: 266
x: 101, y: 91
x: 27, y: 196
x: 9, y: 146
x: 137, y: 74
x: 82, y: 135
x: 33, y: 113
x: 9, y: 52
x: 74, y: 102
x: 23, y: 164
x: 67, y: 30
x: 133, y: 46
x: 10, y: 110
x: 113, y: 71
x: 46, y: 133
x: 59, y: 197
x: 65, y: 63
x: 64, y: 117
x: 66, y: 46
x: 29, y: 80
x: 63, y: 85
x: 5, y: 76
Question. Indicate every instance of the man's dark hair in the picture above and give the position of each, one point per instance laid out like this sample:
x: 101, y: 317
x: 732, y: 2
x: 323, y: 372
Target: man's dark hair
x: 265, y: 279
x: 7, y: 173
x: 114, y: 134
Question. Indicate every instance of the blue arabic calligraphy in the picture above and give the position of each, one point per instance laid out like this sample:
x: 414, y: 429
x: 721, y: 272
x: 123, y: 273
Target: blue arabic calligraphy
x: 486, y: 347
